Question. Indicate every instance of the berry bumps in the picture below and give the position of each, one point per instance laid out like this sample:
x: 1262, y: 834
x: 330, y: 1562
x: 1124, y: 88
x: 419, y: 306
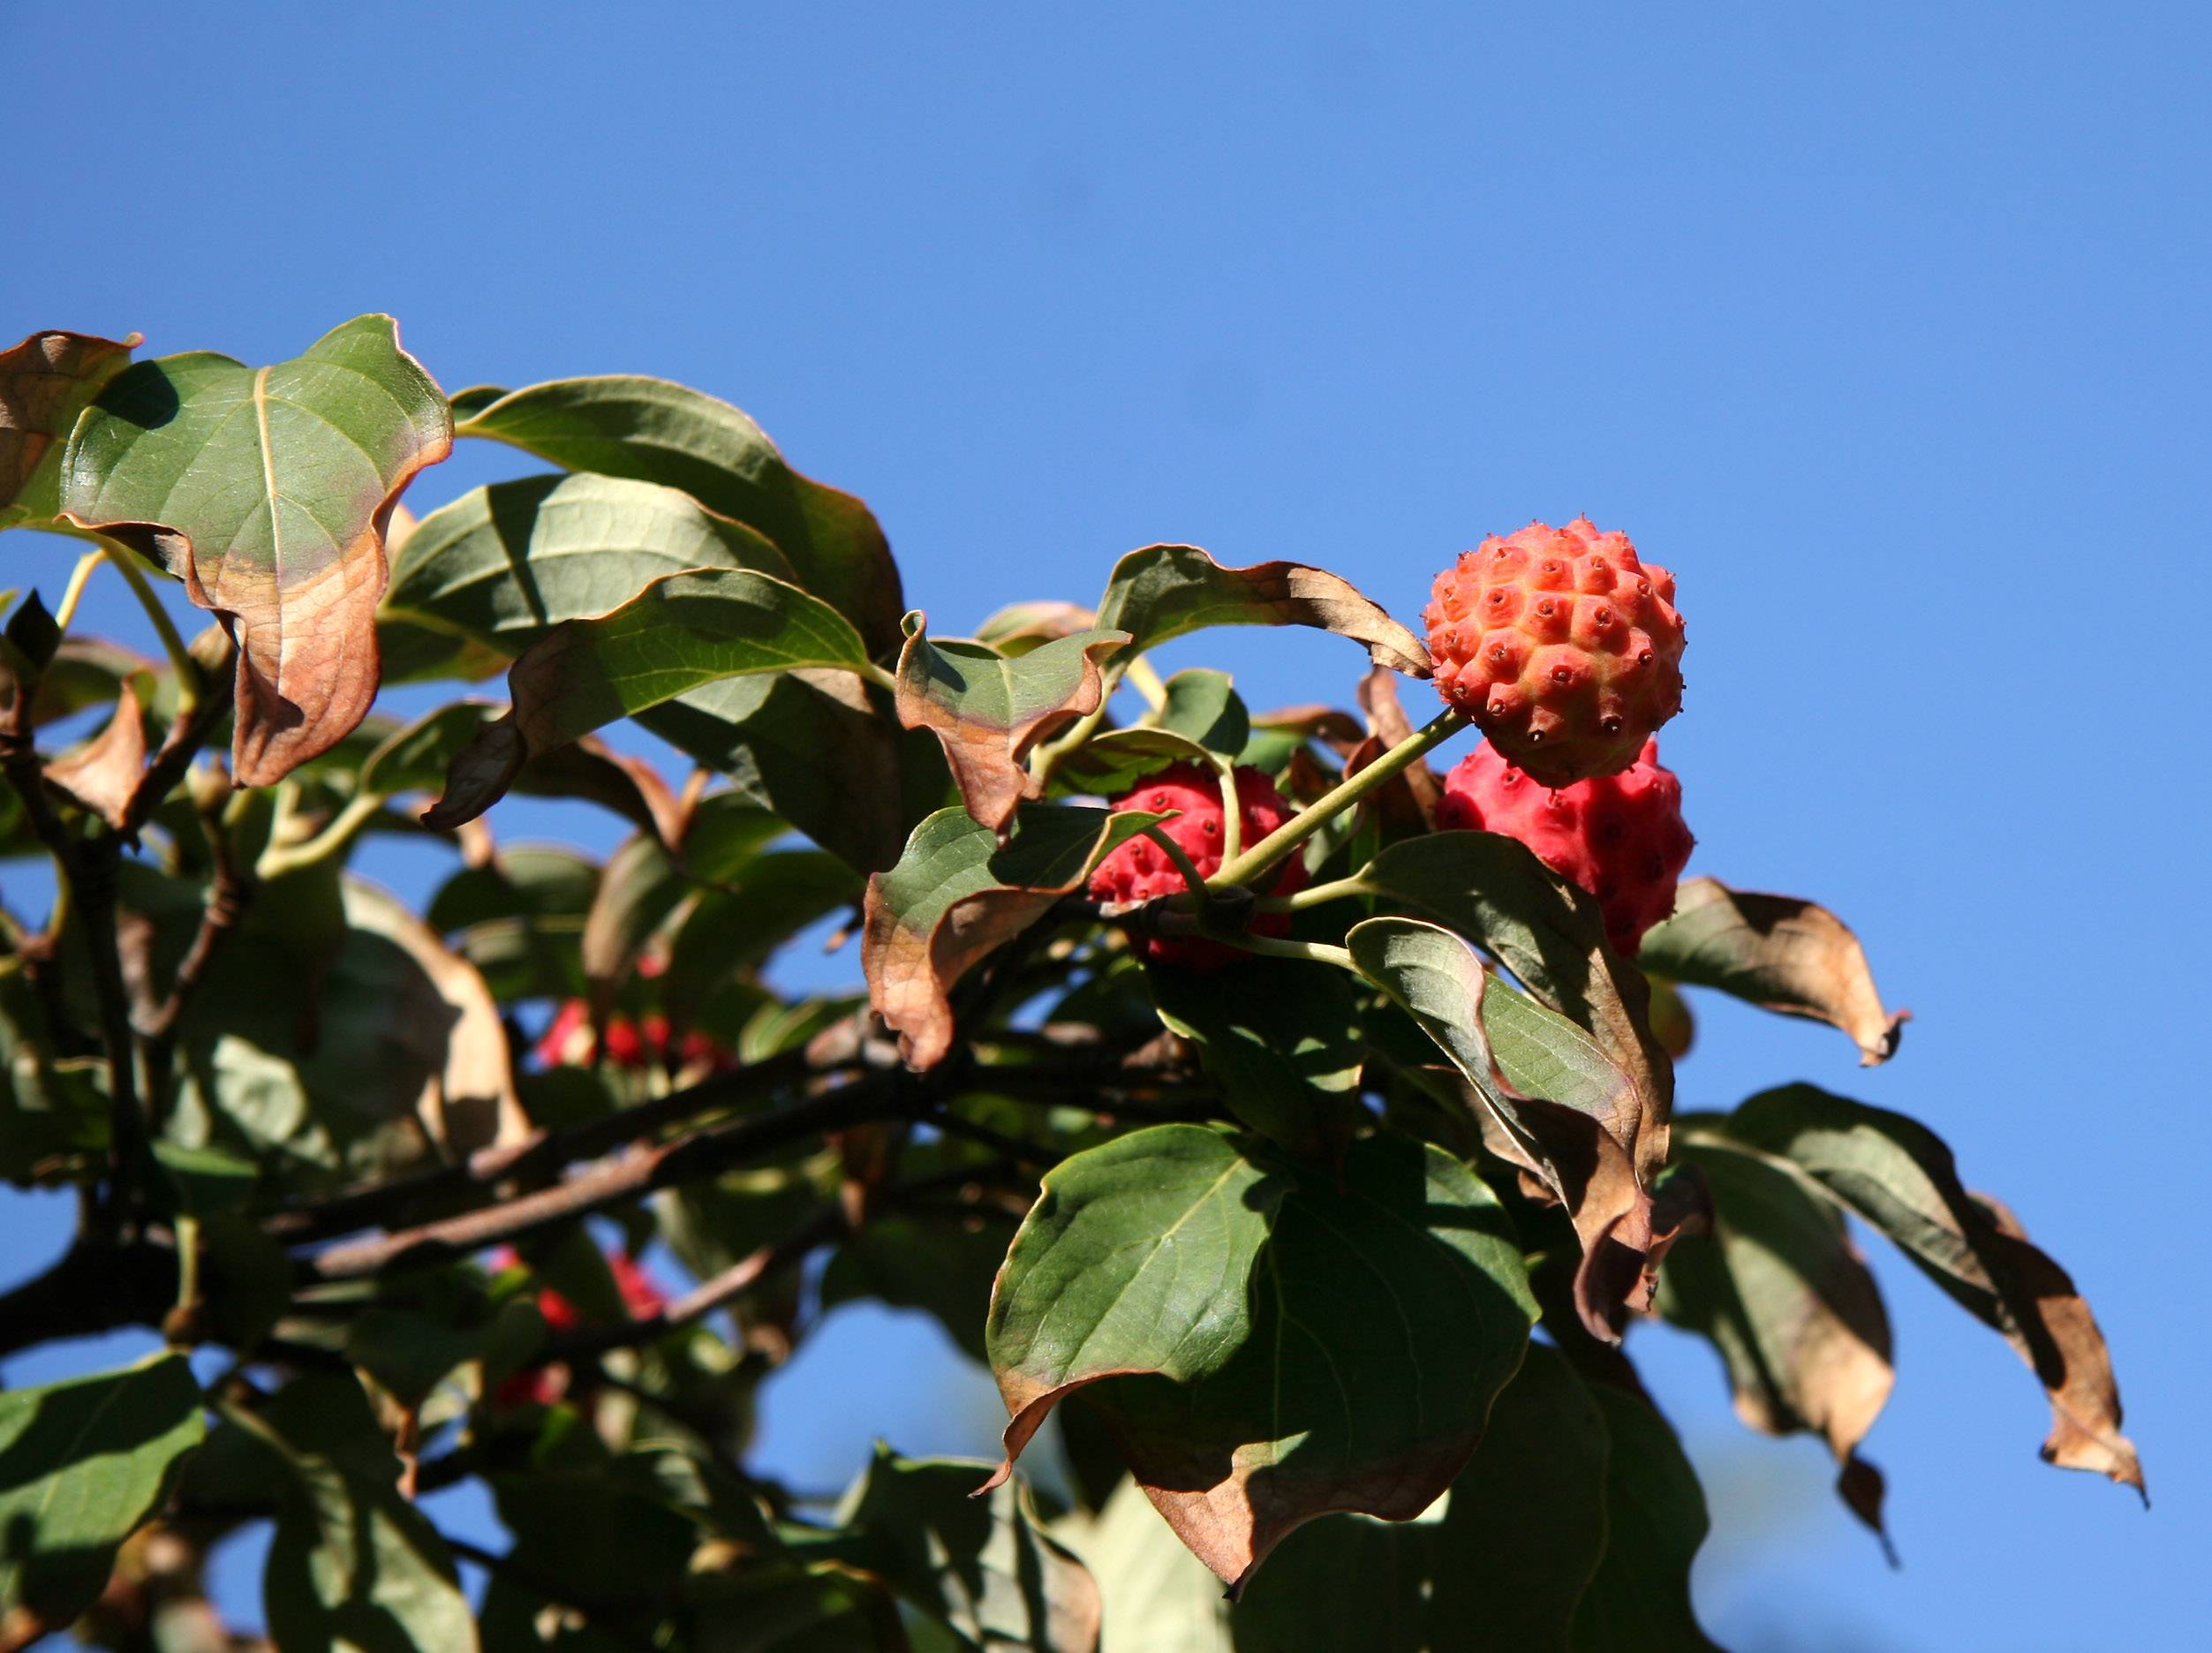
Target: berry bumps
x: 1561, y: 644
x: 1621, y: 837
x: 1140, y: 870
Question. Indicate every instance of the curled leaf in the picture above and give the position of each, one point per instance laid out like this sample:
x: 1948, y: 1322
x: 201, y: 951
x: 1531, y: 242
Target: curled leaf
x: 1164, y: 591
x: 294, y: 567
x: 1900, y: 1177
x: 45, y: 382
x: 103, y: 773
x: 1780, y: 953
x: 988, y: 710
x: 956, y: 894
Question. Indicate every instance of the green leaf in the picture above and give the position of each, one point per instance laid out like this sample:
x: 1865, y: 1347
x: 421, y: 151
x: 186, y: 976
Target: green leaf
x: 1203, y: 706
x: 1780, y: 1291
x: 665, y: 433
x: 45, y: 382
x: 988, y: 711
x: 957, y: 895
x: 984, y: 1566
x: 1558, y: 1105
x: 681, y: 632
x: 1164, y: 591
x: 1308, y: 1340
x: 1109, y: 764
x: 1777, y: 951
x: 353, y: 1564
x: 1548, y: 932
x: 83, y: 1463
x: 1655, y: 1520
x: 1446, y: 1580
x: 642, y: 884
x: 1019, y: 628
x: 1900, y: 1177
x: 1280, y: 1036
x: 267, y: 491
x: 1161, y: 1598
x: 504, y: 565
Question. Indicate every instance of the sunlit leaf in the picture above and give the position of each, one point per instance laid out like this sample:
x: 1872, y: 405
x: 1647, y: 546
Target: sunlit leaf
x: 681, y: 632
x: 988, y: 711
x: 1269, y: 1343
x: 1778, y: 952
x: 956, y: 894
x: 1281, y: 1039
x: 86, y: 1461
x: 45, y: 382
x: 624, y: 425
x: 1161, y: 591
x: 294, y: 566
x: 103, y: 773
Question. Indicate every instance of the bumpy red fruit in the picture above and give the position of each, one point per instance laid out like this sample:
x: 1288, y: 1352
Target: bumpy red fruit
x: 1562, y: 644
x: 1621, y: 836
x: 1140, y: 870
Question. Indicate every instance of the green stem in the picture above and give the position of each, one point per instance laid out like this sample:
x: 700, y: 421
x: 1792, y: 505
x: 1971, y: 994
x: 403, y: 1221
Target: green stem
x: 1316, y: 952
x: 881, y: 677
x: 180, y: 658
x: 1232, y: 808
x: 1265, y: 854
x: 279, y: 859
x: 1319, y: 894
x: 1146, y: 682
x: 1184, y: 865
x: 1047, y: 759
x: 187, y: 1267
x: 74, y: 592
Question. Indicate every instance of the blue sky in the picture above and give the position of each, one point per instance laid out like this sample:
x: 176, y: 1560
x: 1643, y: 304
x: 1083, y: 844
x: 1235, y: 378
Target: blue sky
x: 1882, y: 326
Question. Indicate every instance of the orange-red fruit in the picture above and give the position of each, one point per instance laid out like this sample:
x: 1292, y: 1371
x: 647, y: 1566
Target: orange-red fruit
x: 1562, y: 644
x: 545, y: 1385
x: 1140, y: 870
x: 1621, y: 837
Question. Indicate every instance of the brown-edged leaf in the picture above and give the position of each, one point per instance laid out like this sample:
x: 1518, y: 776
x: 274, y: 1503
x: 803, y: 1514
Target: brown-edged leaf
x: 1164, y: 591
x: 267, y: 491
x: 1018, y: 628
x: 1553, y: 1102
x: 957, y: 895
x: 1778, y: 952
x: 104, y: 773
x: 1268, y: 1342
x: 1784, y: 1296
x: 1900, y: 1177
x: 1387, y: 718
x: 987, y: 710
x: 45, y: 382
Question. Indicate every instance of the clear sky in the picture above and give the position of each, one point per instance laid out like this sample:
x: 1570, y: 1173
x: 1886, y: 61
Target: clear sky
x: 1885, y: 327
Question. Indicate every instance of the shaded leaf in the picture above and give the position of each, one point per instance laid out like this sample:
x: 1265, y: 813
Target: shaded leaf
x: 1018, y: 628
x: 1559, y: 1106
x: 1205, y: 707
x: 1210, y: 1298
x: 988, y: 711
x: 295, y: 567
x: 985, y: 1565
x: 103, y: 773
x: 1162, y: 592
x: 943, y: 1265
x: 1781, y: 1293
x: 1280, y: 1036
x: 1655, y: 1522
x: 957, y: 895
x: 45, y: 383
x: 353, y: 1564
x: 1780, y: 953
x: 1899, y: 1176
x: 83, y: 1463
x: 1108, y: 765
x: 624, y: 425
x: 682, y: 632
x: 1549, y: 934
x: 1160, y: 1598
x: 1446, y: 1581
x: 1386, y: 717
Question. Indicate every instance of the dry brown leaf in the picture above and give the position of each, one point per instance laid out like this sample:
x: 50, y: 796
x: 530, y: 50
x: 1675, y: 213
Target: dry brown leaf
x: 104, y: 773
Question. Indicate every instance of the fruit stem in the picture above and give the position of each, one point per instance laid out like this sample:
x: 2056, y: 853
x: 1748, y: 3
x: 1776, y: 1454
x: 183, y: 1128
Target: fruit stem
x: 75, y: 592
x: 1045, y: 759
x: 1184, y: 865
x: 1244, y: 868
x: 1315, y: 952
x: 1336, y: 889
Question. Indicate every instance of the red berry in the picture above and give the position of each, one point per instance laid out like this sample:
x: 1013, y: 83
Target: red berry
x: 1140, y: 870
x: 1621, y: 836
x: 1562, y: 644
x: 545, y: 1385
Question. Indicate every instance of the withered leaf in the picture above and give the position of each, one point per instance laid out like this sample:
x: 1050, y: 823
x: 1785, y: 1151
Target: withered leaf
x: 1778, y: 952
x: 104, y: 773
x: 1163, y: 591
x: 45, y: 382
x: 987, y: 710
